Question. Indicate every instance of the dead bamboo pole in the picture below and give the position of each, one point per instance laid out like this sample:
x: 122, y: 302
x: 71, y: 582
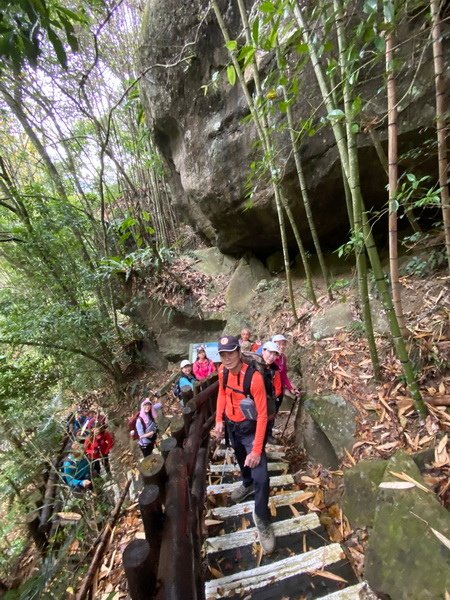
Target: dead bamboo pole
x: 88, y: 578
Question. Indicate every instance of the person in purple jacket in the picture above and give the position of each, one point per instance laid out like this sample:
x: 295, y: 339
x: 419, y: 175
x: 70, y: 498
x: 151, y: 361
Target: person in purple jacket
x: 146, y: 427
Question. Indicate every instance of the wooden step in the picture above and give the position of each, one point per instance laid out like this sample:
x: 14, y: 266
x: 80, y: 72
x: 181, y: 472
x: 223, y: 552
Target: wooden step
x: 234, y: 468
x: 249, y: 536
x: 245, y: 582
x: 350, y: 593
x: 224, y: 512
x: 220, y: 451
x: 223, y: 488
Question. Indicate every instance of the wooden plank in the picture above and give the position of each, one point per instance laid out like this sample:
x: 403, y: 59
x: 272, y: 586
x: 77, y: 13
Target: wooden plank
x: 350, y: 593
x: 224, y: 512
x: 249, y: 536
x: 245, y: 582
x: 225, y: 488
x: 234, y: 468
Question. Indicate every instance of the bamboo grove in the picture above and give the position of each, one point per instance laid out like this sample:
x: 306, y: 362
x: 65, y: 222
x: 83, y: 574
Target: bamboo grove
x: 340, y: 42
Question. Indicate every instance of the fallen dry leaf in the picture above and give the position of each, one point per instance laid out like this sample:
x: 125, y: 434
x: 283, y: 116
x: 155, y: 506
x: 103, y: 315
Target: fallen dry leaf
x: 406, y: 477
x: 396, y: 485
x: 328, y: 575
x: 441, y: 538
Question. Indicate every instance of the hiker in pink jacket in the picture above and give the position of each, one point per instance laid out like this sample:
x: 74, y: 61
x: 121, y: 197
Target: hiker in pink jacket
x: 202, y: 367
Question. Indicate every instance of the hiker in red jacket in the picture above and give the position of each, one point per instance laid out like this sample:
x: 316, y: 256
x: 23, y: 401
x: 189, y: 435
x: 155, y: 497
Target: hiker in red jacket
x: 246, y: 424
x: 98, y: 446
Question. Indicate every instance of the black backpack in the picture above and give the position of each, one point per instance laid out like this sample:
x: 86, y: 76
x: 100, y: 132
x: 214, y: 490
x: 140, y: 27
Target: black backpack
x: 255, y: 362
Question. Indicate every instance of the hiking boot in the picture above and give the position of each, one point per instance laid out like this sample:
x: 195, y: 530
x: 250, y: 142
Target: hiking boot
x: 241, y: 492
x: 265, y: 534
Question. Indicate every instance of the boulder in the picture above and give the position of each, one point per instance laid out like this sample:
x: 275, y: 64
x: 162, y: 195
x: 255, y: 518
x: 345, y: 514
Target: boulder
x: 241, y: 289
x: 331, y: 320
x: 208, y: 148
x: 211, y: 261
x: 361, y: 490
x: 325, y: 427
x: 404, y: 558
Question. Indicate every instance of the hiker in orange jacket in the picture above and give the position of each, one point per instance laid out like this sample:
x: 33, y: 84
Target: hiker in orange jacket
x: 246, y: 424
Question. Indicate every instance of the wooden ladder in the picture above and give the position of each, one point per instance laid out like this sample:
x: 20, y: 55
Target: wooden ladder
x: 236, y: 565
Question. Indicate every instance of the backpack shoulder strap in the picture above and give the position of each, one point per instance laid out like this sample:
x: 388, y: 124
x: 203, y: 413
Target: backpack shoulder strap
x: 248, y: 379
x: 225, y: 373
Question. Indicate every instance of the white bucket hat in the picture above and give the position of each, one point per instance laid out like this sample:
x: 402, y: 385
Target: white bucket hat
x: 271, y: 347
x: 185, y: 363
x: 279, y: 338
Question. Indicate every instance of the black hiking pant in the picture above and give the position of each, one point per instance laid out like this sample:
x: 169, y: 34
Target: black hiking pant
x: 242, y: 436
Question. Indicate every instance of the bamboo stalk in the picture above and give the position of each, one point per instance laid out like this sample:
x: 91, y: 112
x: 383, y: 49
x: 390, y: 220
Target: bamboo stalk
x: 393, y: 182
x: 272, y: 166
x: 441, y: 126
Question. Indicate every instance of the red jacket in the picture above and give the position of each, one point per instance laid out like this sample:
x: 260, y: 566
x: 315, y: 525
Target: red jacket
x: 99, y: 446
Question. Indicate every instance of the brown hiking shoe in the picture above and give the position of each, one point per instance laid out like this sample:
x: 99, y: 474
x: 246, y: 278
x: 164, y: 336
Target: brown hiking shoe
x: 241, y: 492
x: 265, y: 534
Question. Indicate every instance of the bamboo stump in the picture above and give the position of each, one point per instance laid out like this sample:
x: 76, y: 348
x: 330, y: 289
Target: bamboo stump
x: 177, y: 430
x: 153, y: 519
x: 138, y: 570
x: 152, y: 470
x: 167, y: 445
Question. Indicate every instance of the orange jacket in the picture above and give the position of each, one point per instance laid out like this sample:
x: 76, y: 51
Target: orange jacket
x: 228, y: 402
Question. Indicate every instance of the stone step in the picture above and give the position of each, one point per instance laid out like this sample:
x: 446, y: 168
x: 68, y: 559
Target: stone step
x: 244, y: 583
x: 222, y: 488
x: 249, y: 536
x: 234, y: 468
x: 350, y: 593
x: 225, y: 512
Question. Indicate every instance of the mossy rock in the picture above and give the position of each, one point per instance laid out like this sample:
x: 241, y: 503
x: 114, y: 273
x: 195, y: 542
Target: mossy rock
x: 404, y: 559
x: 361, y: 490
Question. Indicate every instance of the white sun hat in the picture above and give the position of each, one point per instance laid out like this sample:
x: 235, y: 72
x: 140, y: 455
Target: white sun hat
x: 271, y: 347
x: 185, y: 363
x: 279, y: 338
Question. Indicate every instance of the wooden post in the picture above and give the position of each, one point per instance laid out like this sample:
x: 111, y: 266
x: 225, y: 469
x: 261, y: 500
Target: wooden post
x: 38, y: 536
x: 153, y: 519
x: 177, y: 430
x: 167, y: 445
x: 193, y: 442
x: 203, y: 396
x: 198, y: 490
x: 176, y: 560
x: 152, y: 470
x: 188, y: 414
x: 138, y: 570
x: 186, y: 394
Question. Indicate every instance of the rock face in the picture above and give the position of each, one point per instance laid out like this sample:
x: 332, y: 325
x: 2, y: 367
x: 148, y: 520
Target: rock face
x: 208, y: 150
x: 404, y: 558
x: 325, y: 427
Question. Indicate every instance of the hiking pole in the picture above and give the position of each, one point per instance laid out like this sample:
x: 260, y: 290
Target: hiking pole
x: 297, y: 397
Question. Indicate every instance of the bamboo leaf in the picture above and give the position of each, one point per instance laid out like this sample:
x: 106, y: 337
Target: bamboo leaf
x: 396, y: 485
x: 441, y: 538
x: 231, y: 74
x: 336, y: 114
x: 267, y: 7
x: 328, y: 575
x: 231, y: 45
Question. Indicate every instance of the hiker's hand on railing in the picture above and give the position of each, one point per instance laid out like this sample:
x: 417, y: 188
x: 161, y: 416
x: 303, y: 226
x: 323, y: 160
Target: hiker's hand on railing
x: 219, y: 431
x: 252, y: 460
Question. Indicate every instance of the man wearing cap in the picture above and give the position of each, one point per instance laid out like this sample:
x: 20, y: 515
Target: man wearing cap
x: 270, y: 354
x: 246, y: 435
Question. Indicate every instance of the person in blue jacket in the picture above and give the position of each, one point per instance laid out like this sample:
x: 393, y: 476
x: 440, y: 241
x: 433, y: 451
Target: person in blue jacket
x: 186, y: 379
x: 77, y: 469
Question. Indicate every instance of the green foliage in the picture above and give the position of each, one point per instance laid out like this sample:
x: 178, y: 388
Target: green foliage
x: 25, y: 26
x: 423, y: 265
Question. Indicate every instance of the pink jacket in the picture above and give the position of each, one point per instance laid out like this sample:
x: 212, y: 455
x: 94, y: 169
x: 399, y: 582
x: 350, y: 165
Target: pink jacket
x: 281, y: 363
x: 203, y: 369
